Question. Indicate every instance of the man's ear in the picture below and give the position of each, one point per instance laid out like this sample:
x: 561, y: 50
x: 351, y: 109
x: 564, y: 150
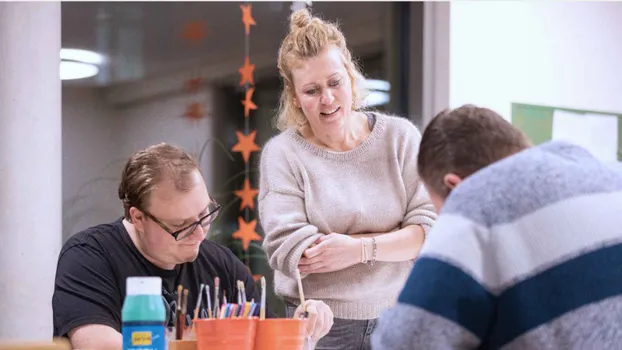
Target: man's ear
x: 451, y: 180
x: 137, y: 218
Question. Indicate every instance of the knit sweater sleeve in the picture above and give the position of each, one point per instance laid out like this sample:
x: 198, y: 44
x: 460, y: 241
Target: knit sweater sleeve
x: 281, y: 206
x: 419, y: 208
x: 446, y: 302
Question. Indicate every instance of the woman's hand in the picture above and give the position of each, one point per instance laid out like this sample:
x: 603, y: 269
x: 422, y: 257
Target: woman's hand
x: 332, y: 252
x: 320, y: 318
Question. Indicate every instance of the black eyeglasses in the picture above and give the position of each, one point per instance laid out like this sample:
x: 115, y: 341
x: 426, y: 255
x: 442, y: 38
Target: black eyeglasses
x: 204, y: 221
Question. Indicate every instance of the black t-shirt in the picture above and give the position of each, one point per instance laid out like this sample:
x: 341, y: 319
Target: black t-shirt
x: 94, y: 264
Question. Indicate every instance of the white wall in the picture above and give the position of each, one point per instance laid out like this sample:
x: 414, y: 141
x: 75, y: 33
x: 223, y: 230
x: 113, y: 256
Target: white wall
x: 564, y: 54
x: 91, y: 160
x: 98, y: 138
x: 162, y: 120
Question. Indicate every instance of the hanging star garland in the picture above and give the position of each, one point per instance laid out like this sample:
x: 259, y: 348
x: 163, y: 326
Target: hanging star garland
x: 195, y: 111
x: 246, y: 72
x: 247, y: 195
x: 246, y: 144
x: 246, y: 232
x: 248, y: 103
x: 193, y: 85
x: 247, y: 18
x: 194, y: 31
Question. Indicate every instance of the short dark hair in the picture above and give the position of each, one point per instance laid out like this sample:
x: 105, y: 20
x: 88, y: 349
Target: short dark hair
x: 463, y: 141
x: 147, y: 168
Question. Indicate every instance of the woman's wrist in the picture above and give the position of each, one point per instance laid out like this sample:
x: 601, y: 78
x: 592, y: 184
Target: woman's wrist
x: 369, y: 251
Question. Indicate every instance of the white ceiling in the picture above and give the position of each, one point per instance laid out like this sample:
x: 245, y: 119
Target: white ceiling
x: 143, y: 39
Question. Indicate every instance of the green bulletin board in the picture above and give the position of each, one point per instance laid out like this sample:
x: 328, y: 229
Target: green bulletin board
x: 537, y: 122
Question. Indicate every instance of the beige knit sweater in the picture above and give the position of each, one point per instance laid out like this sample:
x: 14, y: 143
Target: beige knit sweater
x: 306, y: 191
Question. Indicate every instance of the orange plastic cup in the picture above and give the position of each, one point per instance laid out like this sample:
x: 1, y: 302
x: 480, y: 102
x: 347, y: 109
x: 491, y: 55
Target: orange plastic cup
x: 182, y: 345
x: 281, y: 334
x: 225, y: 334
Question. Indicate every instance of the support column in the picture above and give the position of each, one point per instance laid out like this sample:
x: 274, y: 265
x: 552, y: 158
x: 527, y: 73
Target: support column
x: 30, y: 167
x: 435, y: 59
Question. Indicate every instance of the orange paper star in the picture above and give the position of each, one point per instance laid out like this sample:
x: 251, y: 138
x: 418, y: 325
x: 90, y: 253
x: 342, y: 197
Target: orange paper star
x: 246, y: 232
x: 247, y: 18
x: 247, y: 195
x: 194, y: 31
x: 248, y: 103
x: 246, y: 144
x: 194, y: 85
x: 247, y: 72
x: 195, y: 111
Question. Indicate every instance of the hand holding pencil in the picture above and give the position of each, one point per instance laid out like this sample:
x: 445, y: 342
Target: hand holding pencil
x: 319, y: 315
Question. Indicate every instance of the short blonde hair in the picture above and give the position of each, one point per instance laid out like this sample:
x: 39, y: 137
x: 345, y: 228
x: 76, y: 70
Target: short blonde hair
x: 308, y: 36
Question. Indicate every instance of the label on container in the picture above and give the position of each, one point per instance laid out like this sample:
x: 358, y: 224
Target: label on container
x: 144, y: 336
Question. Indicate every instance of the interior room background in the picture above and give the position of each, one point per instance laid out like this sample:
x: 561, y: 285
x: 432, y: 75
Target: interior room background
x: 168, y: 72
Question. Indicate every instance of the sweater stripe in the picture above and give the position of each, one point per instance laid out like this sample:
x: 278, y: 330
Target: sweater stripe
x: 556, y: 169
x: 588, y: 327
x: 565, y: 287
x: 437, y: 287
x: 555, y: 234
x: 512, y: 240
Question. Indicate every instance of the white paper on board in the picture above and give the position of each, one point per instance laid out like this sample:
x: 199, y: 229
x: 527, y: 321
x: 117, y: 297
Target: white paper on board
x: 598, y: 133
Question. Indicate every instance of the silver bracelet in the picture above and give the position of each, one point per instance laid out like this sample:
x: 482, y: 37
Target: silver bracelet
x: 374, y: 250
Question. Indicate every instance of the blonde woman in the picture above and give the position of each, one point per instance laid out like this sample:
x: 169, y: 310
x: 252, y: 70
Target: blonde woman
x: 340, y: 198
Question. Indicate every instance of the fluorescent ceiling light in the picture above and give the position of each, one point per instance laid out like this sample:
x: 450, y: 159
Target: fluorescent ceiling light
x: 377, y: 98
x: 79, y: 64
x: 77, y: 70
x: 79, y: 55
x: 378, y: 92
x: 375, y: 84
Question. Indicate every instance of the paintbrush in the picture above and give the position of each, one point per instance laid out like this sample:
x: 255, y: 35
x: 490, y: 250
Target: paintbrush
x: 216, y: 298
x: 238, y: 283
x: 262, y: 308
x: 305, y: 314
x: 243, y: 289
x: 184, y: 312
x: 178, y: 329
x: 198, y: 305
x: 209, y: 302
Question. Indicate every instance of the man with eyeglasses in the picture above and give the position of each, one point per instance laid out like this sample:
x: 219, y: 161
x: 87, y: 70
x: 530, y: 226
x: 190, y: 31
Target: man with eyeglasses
x: 168, y: 212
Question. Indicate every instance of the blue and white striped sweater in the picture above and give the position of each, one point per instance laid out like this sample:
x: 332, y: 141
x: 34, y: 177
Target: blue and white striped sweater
x: 526, y: 254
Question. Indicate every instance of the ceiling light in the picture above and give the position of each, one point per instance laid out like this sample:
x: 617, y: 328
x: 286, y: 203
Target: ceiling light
x: 79, y: 55
x: 378, y: 92
x: 377, y: 98
x: 79, y: 64
x: 375, y: 84
x: 77, y: 70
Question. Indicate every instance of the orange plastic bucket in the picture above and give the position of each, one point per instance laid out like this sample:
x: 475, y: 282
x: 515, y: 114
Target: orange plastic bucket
x: 182, y: 345
x: 281, y: 334
x: 225, y: 333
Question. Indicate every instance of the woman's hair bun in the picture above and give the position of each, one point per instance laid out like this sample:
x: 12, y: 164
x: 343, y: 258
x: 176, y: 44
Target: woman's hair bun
x: 300, y: 19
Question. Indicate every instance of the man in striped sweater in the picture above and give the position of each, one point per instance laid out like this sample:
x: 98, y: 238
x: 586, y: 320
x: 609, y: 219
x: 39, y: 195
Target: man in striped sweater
x: 526, y: 252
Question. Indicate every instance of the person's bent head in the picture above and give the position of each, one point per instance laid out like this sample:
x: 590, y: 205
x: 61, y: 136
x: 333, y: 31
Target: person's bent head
x: 322, y: 85
x: 166, y: 200
x: 459, y: 142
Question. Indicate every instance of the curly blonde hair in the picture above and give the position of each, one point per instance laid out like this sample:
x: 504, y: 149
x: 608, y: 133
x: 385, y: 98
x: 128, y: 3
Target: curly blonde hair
x: 308, y: 36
